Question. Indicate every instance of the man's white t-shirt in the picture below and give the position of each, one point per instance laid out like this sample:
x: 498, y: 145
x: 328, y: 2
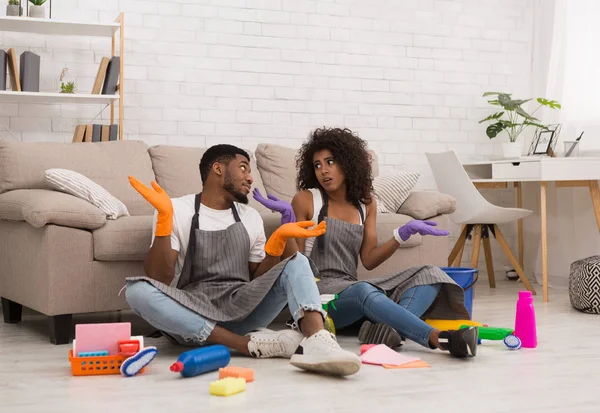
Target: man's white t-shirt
x: 211, y: 220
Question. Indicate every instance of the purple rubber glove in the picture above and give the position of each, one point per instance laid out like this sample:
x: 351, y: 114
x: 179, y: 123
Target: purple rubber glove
x: 420, y: 227
x: 275, y: 204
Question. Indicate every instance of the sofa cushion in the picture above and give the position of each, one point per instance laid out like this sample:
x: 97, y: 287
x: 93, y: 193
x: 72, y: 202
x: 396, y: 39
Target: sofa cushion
x: 40, y: 207
x: 125, y: 239
x: 391, y: 190
x: 177, y: 171
x: 277, y: 166
x: 427, y: 204
x: 82, y: 187
x: 23, y: 166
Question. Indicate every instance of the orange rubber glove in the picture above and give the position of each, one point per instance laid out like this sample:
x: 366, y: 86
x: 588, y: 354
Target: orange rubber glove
x: 159, y: 200
x: 276, y: 243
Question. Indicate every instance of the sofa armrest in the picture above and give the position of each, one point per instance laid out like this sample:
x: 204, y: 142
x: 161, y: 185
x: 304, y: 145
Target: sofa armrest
x: 427, y: 204
x: 41, y: 206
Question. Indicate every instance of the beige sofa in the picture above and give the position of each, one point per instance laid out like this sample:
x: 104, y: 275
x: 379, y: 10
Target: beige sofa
x: 60, y: 256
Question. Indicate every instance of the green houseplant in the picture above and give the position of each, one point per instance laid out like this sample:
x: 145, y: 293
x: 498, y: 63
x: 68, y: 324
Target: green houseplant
x: 513, y: 119
x: 14, y: 8
x: 66, y: 85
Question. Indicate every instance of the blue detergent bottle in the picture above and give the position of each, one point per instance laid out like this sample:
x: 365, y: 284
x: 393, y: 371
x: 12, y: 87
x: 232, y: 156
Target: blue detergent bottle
x: 201, y: 360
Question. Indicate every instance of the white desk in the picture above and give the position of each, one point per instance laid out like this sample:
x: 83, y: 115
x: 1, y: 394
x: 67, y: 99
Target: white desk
x: 564, y: 172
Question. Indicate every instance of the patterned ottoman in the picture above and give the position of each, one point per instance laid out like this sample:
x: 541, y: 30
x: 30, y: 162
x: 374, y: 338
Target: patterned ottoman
x: 584, y: 285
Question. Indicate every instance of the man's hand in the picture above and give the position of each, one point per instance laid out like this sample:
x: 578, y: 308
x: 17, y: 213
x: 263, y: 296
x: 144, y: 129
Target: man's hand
x: 276, y: 243
x: 159, y: 199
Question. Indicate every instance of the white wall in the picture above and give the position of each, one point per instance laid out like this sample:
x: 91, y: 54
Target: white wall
x: 407, y: 75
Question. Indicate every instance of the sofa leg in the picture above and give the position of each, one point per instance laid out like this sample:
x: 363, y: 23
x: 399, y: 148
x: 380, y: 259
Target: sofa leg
x: 60, y: 328
x: 12, y: 311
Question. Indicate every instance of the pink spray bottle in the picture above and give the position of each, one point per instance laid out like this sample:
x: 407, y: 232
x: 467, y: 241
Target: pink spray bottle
x: 525, y: 327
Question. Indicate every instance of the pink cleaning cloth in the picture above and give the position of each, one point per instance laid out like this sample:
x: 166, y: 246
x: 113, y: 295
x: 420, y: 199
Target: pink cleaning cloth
x: 382, y: 354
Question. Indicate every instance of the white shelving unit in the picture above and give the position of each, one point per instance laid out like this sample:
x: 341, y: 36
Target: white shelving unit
x: 57, y: 27
x: 58, y: 98
x: 68, y: 28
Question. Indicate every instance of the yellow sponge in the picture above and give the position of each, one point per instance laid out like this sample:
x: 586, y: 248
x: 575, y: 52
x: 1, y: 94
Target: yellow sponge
x: 451, y: 324
x: 227, y: 386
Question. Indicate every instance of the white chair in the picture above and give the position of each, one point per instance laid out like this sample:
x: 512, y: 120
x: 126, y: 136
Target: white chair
x: 475, y: 213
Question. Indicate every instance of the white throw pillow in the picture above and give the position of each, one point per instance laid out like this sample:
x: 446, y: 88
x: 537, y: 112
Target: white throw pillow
x: 392, y: 190
x: 82, y: 187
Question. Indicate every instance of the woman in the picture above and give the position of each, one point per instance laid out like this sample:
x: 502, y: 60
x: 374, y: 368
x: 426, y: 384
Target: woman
x: 335, y: 182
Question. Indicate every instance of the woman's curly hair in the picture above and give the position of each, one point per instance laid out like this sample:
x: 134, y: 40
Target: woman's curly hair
x: 350, y: 153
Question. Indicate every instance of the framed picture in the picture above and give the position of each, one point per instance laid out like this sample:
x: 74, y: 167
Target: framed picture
x: 544, y: 141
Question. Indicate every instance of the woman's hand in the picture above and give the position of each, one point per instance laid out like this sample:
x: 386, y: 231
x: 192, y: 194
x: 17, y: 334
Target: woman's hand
x: 277, y: 205
x: 420, y: 227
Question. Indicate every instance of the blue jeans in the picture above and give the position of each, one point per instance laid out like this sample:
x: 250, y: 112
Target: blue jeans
x: 362, y: 300
x: 295, y: 287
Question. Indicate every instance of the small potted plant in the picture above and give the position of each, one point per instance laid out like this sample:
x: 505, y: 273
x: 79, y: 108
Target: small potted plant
x: 37, y: 8
x: 66, y: 86
x: 14, y: 8
x: 517, y: 119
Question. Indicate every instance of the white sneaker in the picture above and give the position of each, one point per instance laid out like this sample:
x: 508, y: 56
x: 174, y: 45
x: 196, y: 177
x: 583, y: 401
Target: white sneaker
x: 266, y: 343
x: 321, y: 353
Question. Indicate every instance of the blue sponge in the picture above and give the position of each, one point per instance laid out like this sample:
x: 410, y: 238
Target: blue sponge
x: 138, y: 361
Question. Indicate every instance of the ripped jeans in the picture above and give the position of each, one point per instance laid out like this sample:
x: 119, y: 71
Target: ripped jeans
x: 295, y: 287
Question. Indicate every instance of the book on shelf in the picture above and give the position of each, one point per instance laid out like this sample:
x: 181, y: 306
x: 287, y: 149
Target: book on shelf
x: 89, y: 130
x: 13, y: 70
x: 105, y: 133
x: 111, y: 79
x: 114, y: 132
x: 96, y: 133
x: 100, y: 76
x: 79, y: 133
x: 30, y: 72
x: 3, y: 65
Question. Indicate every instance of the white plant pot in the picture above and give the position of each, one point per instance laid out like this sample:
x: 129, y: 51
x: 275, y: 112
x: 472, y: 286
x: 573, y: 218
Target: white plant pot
x: 37, y: 11
x: 512, y: 149
x: 14, y: 10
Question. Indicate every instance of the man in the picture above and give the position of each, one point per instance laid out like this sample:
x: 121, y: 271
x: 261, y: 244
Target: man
x: 211, y: 278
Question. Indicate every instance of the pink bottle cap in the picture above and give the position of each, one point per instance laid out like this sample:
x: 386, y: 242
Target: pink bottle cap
x: 525, y: 294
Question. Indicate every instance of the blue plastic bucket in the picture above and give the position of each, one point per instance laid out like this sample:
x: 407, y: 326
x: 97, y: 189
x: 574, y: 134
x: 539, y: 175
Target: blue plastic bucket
x: 466, y: 278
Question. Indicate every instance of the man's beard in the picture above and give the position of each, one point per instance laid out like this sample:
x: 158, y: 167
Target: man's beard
x: 228, y: 186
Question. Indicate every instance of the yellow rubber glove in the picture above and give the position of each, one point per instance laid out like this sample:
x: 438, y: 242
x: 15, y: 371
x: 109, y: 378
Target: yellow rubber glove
x: 159, y: 200
x: 276, y: 243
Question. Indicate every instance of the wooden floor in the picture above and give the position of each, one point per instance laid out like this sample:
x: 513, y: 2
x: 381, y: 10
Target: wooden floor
x: 561, y: 375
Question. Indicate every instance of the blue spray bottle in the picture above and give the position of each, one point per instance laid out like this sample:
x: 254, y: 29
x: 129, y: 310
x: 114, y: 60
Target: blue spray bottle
x: 201, y: 360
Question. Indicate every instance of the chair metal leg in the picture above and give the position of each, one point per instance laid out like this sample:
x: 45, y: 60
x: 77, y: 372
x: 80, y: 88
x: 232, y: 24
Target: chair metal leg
x: 458, y: 252
x: 513, y: 261
x: 487, y: 249
x: 458, y: 247
x: 476, y: 246
x: 459, y: 257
